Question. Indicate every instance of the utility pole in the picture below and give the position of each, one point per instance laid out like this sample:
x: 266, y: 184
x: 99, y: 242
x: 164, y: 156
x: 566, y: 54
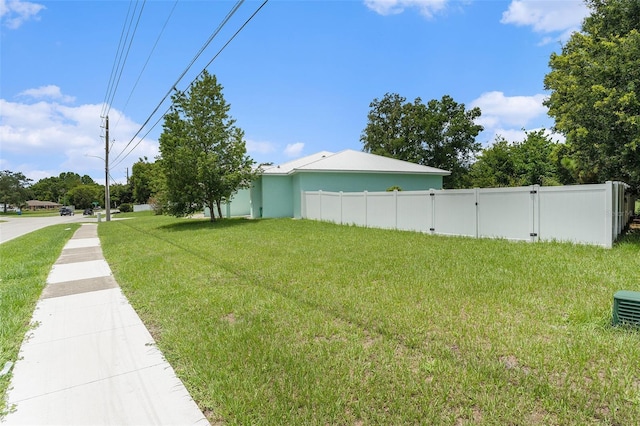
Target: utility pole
x: 107, y: 197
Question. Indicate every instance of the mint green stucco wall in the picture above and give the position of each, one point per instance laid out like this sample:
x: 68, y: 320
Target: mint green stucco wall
x: 256, y: 198
x: 277, y: 196
x: 358, y: 182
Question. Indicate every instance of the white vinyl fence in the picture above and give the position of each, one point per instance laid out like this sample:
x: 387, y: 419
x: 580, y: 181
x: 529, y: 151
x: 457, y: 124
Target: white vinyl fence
x: 588, y: 214
x: 142, y: 207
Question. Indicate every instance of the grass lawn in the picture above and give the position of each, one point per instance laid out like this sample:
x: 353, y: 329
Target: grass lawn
x: 25, y: 263
x: 302, y: 322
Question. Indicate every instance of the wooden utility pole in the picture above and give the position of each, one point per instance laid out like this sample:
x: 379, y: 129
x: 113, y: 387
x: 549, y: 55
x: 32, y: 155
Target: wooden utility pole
x: 107, y: 197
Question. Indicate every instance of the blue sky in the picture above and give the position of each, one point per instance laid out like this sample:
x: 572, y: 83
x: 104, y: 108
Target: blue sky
x: 299, y: 77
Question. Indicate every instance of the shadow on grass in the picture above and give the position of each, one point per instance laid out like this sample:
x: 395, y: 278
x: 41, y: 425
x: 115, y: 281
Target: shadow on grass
x: 201, y: 224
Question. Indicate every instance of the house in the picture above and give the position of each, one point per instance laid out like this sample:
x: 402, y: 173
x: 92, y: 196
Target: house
x: 277, y: 192
x: 42, y: 205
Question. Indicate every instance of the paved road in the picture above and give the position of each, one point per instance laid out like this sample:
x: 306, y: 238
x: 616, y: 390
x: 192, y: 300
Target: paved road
x: 17, y: 226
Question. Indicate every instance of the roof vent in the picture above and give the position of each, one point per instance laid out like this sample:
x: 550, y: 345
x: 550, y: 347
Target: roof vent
x: 626, y: 308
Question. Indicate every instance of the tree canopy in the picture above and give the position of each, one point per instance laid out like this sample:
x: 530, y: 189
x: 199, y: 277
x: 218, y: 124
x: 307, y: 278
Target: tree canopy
x: 203, y: 154
x: 537, y: 160
x: 57, y: 188
x: 84, y: 195
x: 13, y: 188
x: 439, y: 134
x: 146, y: 180
x: 595, y: 99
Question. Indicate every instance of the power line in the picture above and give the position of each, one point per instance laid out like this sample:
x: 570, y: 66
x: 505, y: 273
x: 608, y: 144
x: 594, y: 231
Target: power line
x: 115, y: 61
x: 190, y: 84
x: 202, y: 49
x: 148, y: 58
x: 122, y: 61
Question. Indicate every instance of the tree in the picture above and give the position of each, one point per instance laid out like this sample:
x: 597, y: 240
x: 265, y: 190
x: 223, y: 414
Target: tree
x: 203, y: 154
x: 595, y: 97
x: 533, y: 161
x: 57, y: 188
x: 120, y: 193
x: 145, y: 180
x: 83, y: 196
x: 13, y: 188
x: 440, y: 134
x: 494, y: 167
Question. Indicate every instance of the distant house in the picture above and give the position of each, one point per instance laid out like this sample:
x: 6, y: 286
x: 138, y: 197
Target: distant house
x: 42, y: 205
x: 277, y: 192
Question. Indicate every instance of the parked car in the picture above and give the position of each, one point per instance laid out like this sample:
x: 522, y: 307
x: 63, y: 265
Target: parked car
x: 87, y: 212
x: 66, y: 211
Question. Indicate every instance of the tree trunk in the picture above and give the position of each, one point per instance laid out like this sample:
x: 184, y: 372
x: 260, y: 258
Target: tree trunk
x: 212, y: 216
x: 219, y: 209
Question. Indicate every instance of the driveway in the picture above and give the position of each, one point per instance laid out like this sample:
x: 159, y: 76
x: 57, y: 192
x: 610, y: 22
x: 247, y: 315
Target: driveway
x: 17, y: 226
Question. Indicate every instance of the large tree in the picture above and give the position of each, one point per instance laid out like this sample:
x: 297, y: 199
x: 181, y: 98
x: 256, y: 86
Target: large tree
x: 57, y: 188
x: 595, y: 93
x: 120, y: 193
x: 537, y: 160
x: 439, y: 134
x: 13, y: 188
x: 145, y: 180
x: 83, y: 196
x: 203, y: 154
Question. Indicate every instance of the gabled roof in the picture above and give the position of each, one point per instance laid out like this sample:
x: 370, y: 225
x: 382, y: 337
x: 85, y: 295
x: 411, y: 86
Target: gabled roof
x: 290, y: 166
x: 351, y: 161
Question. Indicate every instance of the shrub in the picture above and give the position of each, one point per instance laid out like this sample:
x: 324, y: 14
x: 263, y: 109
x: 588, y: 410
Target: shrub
x: 126, y: 208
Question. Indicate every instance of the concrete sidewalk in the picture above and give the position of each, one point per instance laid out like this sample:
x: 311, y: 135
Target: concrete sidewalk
x: 90, y: 360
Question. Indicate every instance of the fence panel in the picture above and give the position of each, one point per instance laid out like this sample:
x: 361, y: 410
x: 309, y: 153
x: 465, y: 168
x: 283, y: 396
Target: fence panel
x: 577, y: 213
x: 381, y: 210
x: 312, y: 202
x: 455, y: 212
x: 354, y: 208
x: 331, y: 207
x: 414, y: 211
x: 507, y: 213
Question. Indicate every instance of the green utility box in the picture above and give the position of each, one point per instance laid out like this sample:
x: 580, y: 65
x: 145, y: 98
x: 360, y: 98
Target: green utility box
x: 626, y: 307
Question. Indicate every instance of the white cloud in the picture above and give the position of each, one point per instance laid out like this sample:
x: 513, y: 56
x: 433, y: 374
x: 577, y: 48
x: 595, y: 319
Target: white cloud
x: 45, y: 138
x: 16, y: 12
x: 500, y: 110
x: 392, y: 7
x: 47, y: 92
x: 258, y: 147
x: 294, y: 150
x: 507, y: 116
x: 547, y: 17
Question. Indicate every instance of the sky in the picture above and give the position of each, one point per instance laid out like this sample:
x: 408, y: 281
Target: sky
x: 299, y: 76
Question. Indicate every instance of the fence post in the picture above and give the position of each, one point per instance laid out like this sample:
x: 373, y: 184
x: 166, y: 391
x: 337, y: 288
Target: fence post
x: 395, y: 208
x: 432, y: 199
x: 340, y: 207
x: 366, y: 209
x: 535, y: 213
x: 477, y: 200
x: 608, y: 220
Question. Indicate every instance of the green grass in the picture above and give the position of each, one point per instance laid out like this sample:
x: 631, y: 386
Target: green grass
x: 25, y: 263
x: 301, y: 322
